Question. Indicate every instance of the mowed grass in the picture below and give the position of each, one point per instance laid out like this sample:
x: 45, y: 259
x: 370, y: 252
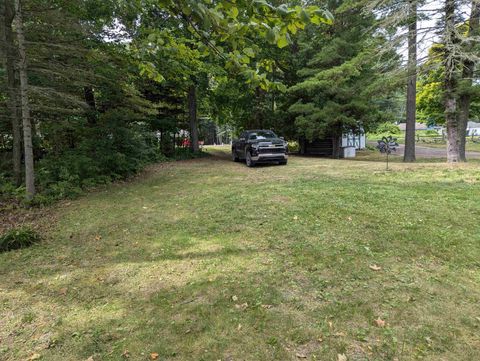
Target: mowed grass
x: 211, y: 260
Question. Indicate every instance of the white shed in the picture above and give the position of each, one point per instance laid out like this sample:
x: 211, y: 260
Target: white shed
x: 473, y: 129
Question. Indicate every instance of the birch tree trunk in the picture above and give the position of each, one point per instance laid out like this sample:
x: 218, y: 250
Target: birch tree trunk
x: 464, y: 99
x: 192, y: 115
x: 409, y: 155
x: 12, y: 88
x: 450, y: 83
x: 25, y: 107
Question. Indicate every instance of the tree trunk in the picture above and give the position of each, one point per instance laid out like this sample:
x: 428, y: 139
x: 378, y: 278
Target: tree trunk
x: 464, y: 99
x: 336, y: 147
x: 12, y: 89
x: 192, y: 115
x: 25, y: 107
x: 450, y: 84
x: 92, y: 107
x: 409, y: 155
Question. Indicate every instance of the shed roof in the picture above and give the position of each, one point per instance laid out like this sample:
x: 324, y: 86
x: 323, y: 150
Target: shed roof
x: 471, y: 124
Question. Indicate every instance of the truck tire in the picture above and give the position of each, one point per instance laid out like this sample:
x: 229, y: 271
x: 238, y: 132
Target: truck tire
x: 234, y: 156
x: 248, y: 159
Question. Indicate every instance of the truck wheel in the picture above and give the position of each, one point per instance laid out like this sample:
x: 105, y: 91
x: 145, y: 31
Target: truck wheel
x: 235, y: 156
x: 248, y: 159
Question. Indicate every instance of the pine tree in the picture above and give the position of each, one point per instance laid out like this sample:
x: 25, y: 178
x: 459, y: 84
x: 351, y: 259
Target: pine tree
x: 340, y: 88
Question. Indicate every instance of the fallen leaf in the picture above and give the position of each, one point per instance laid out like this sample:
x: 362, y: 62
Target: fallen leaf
x: 234, y: 298
x: 340, y: 334
x: 63, y: 291
x: 295, y: 217
x: 379, y: 322
x: 126, y: 354
x: 374, y: 267
x: 35, y: 356
x: 154, y: 356
x: 98, y: 237
x: 267, y: 306
x: 341, y: 357
x: 301, y: 355
x: 90, y: 358
x: 239, y: 327
x: 242, y: 306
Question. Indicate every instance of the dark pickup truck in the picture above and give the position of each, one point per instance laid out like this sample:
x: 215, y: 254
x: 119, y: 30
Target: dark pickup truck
x: 259, y: 146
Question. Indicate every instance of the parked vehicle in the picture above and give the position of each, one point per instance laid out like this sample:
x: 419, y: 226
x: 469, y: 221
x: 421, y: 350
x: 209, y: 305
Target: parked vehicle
x: 260, y: 146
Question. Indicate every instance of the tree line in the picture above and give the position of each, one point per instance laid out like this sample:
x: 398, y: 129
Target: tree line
x: 92, y: 91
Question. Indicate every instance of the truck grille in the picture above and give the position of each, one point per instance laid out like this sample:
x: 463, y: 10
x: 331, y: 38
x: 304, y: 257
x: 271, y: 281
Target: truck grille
x: 276, y: 150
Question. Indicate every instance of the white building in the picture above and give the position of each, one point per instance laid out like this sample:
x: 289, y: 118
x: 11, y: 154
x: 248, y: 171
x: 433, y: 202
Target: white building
x: 473, y: 129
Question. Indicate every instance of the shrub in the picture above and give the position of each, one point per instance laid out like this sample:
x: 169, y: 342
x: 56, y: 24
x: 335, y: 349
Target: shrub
x: 18, y: 238
x: 389, y: 128
x: 293, y: 146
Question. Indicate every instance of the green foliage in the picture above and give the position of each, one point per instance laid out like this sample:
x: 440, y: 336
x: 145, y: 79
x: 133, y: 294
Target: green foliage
x: 18, y: 238
x: 293, y: 146
x: 388, y: 128
x: 8, y: 189
x: 340, y: 81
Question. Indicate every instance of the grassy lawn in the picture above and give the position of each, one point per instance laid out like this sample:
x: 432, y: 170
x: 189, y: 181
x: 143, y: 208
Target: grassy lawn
x: 210, y: 260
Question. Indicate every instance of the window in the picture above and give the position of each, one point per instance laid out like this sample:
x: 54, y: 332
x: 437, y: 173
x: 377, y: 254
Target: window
x: 262, y: 134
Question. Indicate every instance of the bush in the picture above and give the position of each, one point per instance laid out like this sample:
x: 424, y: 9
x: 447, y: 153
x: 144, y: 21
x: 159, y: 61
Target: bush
x: 388, y: 128
x: 18, y: 238
x: 9, y: 190
x: 293, y: 146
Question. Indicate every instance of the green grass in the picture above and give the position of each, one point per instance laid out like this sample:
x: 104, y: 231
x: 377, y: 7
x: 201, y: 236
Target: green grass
x: 210, y: 260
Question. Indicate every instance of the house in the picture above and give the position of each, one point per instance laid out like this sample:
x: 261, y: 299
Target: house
x: 473, y: 129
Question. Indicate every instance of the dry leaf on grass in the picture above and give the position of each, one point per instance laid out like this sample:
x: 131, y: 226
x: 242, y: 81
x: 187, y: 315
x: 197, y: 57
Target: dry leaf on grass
x: 234, y: 298
x: 154, y: 356
x: 341, y: 357
x: 90, y: 358
x: 374, y: 267
x: 243, y: 306
x: 35, y: 356
x: 126, y: 354
x: 379, y: 322
x: 301, y: 355
x: 63, y: 291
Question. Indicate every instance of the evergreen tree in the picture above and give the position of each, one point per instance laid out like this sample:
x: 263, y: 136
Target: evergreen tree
x: 341, y: 85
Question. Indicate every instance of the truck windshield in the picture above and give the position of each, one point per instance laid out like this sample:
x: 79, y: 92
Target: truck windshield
x: 262, y: 134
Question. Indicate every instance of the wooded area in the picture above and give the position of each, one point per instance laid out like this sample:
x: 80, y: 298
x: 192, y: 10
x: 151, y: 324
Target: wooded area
x: 92, y: 91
